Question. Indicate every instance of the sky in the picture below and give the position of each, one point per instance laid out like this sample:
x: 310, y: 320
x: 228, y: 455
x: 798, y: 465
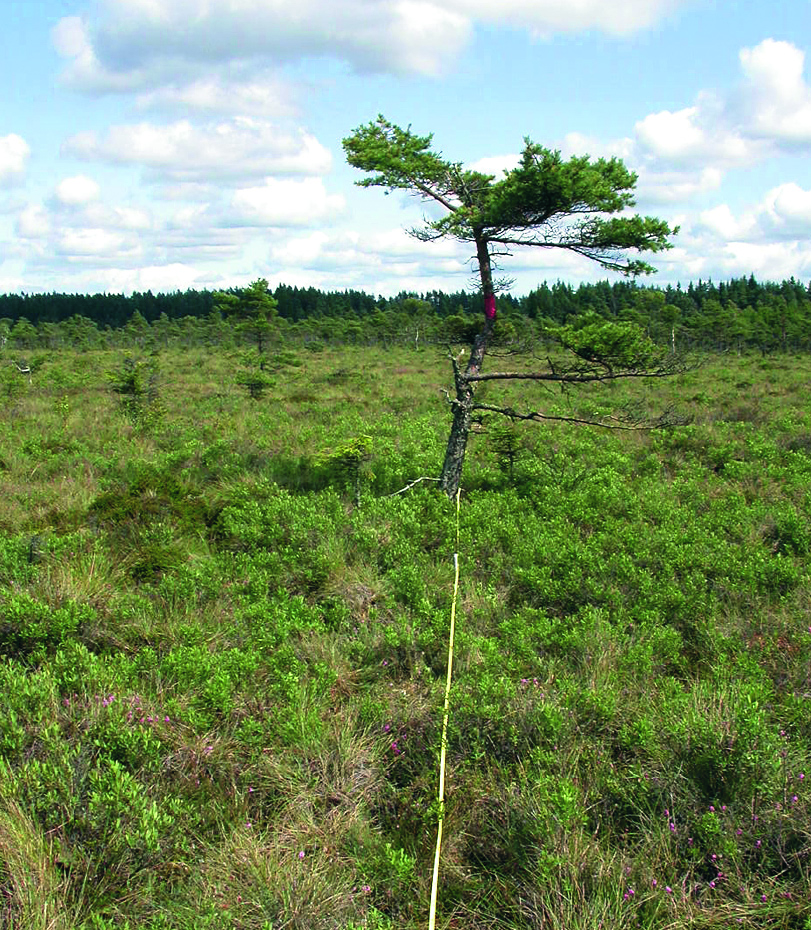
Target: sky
x: 171, y: 144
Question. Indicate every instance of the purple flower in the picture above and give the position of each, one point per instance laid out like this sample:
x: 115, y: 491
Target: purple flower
x: 301, y: 854
x: 668, y: 889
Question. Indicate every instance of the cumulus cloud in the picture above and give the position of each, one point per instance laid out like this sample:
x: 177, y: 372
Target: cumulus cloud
x: 694, y: 134
x: 129, y: 42
x: 14, y: 152
x: 33, y: 222
x: 723, y: 223
x: 775, y: 98
x: 76, y: 191
x: 670, y: 187
x: 783, y: 214
x: 284, y: 202
x: 788, y: 208
x: 233, y: 148
x: 253, y: 94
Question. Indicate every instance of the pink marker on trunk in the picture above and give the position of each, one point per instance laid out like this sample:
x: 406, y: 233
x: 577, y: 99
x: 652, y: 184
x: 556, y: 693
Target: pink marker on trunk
x: 490, y: 307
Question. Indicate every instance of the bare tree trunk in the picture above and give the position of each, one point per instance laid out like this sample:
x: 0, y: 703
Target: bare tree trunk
x: 451, y: 476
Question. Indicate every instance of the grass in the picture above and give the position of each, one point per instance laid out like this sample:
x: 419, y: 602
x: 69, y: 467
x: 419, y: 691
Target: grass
x: 223, y: 653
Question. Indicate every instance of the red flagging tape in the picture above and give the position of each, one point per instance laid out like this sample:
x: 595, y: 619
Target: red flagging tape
x: 490, y: 307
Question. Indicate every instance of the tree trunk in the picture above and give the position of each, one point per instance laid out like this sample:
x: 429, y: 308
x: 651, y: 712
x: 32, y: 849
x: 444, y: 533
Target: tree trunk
x: 451, y: 476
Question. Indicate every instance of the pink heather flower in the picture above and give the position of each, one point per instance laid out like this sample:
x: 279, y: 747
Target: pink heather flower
x: 301, y: 854
x: 668, y: 889
x: 757, y: 844
x: 738, y: 832
x: 166, y: 720
x: 794, y: 799
x: 763, y: 897
x: 801, y: 776
x: 250, y: 790
x: 712, y: 809
x: 712, y: 884
x: 366, y: 888
x: 654, y: 883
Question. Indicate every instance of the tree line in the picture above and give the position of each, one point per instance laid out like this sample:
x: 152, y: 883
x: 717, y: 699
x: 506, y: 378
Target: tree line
x: 740, y: 314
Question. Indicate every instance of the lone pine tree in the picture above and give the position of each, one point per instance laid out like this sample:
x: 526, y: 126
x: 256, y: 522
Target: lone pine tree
x: 545, y: 202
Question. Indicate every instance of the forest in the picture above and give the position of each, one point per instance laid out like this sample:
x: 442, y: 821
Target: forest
x: 739, y: 314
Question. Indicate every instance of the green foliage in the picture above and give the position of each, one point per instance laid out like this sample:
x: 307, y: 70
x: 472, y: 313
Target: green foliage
x: 135, y: 381
x: 505, y: 441
x: 346, y: 462
x: 27, y: 625
x: 542, y: 202
x: 223, y: 684
x: 623, y: 346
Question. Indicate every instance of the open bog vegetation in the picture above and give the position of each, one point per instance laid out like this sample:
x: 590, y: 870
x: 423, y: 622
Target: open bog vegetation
x: 223, y: 647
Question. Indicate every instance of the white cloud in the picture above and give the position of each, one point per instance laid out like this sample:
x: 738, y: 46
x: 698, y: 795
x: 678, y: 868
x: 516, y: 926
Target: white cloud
x: 786, y: 211
x: 667, y: 187
x: 252, y: 94
x: 14, y: 152
x: 576, y: 143
x: 782, y: 215
x: 694, y: 134
x: 77, y: 190
x: 722, y: 222
x: 128, y: 43
x: 33, y: 223
x: 233, y: 148
x: 495, y: 165
x: 769, y: 262
x: 621, y: 17
x: 284, y: 203
x: 775, y: 98
x: 91, y: 243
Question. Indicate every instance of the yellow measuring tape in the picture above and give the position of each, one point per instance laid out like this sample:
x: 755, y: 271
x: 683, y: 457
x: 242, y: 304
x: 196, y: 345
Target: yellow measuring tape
x: 446, y: 714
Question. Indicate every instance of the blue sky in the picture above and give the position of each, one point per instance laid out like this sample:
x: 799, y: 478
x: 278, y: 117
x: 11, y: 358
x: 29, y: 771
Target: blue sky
x: 166, y: 144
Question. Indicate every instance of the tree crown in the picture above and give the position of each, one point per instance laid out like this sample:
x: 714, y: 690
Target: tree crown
x: 544, y: 202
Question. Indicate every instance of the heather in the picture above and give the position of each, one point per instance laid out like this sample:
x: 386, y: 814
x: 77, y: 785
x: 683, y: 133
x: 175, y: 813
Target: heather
x: 223, y: 642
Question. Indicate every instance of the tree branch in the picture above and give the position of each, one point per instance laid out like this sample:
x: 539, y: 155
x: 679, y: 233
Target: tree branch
x: 665, y: 419
x: 576, y: 376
